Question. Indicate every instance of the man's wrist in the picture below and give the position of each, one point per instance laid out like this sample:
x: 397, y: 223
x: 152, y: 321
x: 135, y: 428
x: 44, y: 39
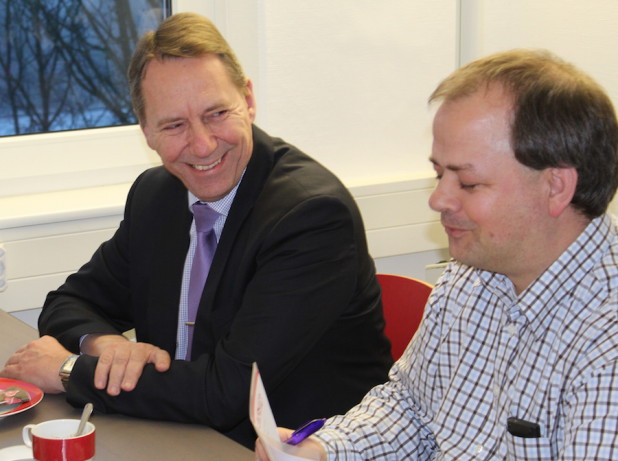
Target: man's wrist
x: 94, y: 343
x: 65, y: 370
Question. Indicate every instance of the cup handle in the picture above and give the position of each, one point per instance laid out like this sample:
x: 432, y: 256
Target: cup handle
x: 26, y: 434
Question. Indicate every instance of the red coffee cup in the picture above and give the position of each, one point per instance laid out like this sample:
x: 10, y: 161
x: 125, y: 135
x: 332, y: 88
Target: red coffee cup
x: 55, y: 440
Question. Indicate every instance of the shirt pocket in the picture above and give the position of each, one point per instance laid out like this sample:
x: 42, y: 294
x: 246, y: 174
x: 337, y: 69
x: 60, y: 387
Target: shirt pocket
x: 520, y: 448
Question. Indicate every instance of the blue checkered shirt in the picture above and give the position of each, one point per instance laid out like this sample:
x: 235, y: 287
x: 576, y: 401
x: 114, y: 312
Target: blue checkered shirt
x: 484, y: 354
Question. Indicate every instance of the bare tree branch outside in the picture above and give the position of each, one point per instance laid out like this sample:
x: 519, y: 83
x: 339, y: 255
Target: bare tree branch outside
x: 63, y: 62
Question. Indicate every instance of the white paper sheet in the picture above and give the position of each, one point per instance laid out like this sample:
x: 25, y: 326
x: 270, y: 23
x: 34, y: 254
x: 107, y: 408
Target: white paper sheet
x: 264, y: 424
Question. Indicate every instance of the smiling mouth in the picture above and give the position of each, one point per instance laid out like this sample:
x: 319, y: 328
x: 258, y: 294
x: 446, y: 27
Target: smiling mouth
x: 206, y: 167
x: 453, y: 228
x: 455, y: 231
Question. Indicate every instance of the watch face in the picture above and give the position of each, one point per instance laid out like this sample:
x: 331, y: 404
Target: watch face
x: 66, y: 368
x: 68, y: 364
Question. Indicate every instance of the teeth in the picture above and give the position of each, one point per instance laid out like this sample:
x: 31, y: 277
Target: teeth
x: 206, y: 167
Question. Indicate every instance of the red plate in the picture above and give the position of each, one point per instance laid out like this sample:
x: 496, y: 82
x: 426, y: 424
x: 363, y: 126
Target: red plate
x: 36, y: 395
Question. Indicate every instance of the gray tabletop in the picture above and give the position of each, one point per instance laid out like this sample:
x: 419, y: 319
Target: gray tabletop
x: 118, y: 437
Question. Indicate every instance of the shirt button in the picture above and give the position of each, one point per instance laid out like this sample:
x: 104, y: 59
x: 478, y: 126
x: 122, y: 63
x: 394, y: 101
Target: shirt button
x: 512, y: 329
x: 478, y: 449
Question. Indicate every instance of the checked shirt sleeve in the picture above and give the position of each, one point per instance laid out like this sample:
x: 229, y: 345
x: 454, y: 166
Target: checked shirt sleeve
x: 389, y: 423
x: 384, y: 426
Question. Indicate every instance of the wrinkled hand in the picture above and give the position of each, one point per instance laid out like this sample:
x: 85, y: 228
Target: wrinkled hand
x: 308, y: 448
x: 38, y: 362
x: 121, y: 361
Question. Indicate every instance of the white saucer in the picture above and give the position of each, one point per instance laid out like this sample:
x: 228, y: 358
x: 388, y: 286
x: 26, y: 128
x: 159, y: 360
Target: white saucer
x: 16, y: 453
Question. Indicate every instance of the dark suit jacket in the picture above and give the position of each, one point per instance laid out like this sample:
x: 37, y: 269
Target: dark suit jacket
x: 292, y: 287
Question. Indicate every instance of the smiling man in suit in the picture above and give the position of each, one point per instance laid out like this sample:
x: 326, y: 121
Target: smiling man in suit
x: 291, y: 285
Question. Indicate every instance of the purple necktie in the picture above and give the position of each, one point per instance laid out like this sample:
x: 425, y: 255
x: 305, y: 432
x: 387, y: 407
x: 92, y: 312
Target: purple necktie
x: 206, y: 244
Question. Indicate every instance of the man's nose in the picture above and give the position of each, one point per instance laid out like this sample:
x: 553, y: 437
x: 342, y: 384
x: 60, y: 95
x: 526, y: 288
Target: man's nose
x: 202, y: 140
x: 443, y: 197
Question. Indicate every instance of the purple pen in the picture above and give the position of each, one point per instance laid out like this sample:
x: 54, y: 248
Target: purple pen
x: 305, y: 431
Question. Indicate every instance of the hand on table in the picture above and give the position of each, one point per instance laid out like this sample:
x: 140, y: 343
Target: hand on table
x: 308, y: 448
x: 121, y: 361
x: 38, y: 362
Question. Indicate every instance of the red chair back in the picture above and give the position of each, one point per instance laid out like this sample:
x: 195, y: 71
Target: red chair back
x: 403, y: 300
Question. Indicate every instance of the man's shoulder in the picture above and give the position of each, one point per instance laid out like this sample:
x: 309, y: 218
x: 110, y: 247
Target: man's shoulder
x: 290, y: 161
x: 157, y: 180
x: 156, y: 188
x: 305, y: 172
x: 154, y: 175
x: 291, y: 175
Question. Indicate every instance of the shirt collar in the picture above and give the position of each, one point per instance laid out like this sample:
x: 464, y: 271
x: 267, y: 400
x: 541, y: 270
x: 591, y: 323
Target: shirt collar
x: 557, y: 284
x: 221, y: 206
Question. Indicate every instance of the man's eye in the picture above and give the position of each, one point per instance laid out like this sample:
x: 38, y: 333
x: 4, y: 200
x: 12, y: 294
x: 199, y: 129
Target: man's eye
x: 467, y: 186
x: 172, y: 126
x: 219, y: 114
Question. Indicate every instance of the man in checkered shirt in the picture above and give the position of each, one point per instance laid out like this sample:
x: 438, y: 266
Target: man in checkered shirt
x: 517, y: 355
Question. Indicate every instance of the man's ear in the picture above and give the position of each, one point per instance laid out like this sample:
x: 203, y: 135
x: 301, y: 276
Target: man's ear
x: 250, y: 100
x: 562, y: 184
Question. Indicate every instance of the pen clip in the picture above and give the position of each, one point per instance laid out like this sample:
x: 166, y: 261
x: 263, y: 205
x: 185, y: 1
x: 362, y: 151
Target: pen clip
x: 305, y: 431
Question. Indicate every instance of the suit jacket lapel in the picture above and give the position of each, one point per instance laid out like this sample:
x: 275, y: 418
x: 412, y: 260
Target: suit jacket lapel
x: 172, y: 243
x: 259, y: 168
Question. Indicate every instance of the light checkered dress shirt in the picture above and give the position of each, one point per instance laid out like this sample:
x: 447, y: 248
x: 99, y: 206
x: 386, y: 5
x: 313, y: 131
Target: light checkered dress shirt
x: 484, y: 354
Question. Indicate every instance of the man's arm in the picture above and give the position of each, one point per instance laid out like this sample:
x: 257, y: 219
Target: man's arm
x: 121, y: 361
x: 90, y: 310
x: 38, y: 362
x: 97, y: 299
x: 385, y: 425
x: 591, y: 416
x: 119, y: 367
x: 309, y: 448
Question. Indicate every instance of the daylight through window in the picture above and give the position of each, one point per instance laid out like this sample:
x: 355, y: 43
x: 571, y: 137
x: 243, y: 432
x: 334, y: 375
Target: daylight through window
x: 63, y: 62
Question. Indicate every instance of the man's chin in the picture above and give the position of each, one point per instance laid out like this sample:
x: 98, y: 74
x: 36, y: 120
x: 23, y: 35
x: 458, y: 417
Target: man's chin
x: 463, y: 257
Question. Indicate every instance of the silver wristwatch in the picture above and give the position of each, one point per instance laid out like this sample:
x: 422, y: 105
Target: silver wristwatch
x: 65, y: 370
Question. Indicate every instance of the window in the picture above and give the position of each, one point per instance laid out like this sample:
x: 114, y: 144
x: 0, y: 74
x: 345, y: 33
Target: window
x: 63, y: 63
x: 90, y: 158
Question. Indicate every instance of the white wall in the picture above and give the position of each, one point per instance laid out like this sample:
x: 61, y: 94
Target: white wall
x: 348, y: 81
x: 583, y: 32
